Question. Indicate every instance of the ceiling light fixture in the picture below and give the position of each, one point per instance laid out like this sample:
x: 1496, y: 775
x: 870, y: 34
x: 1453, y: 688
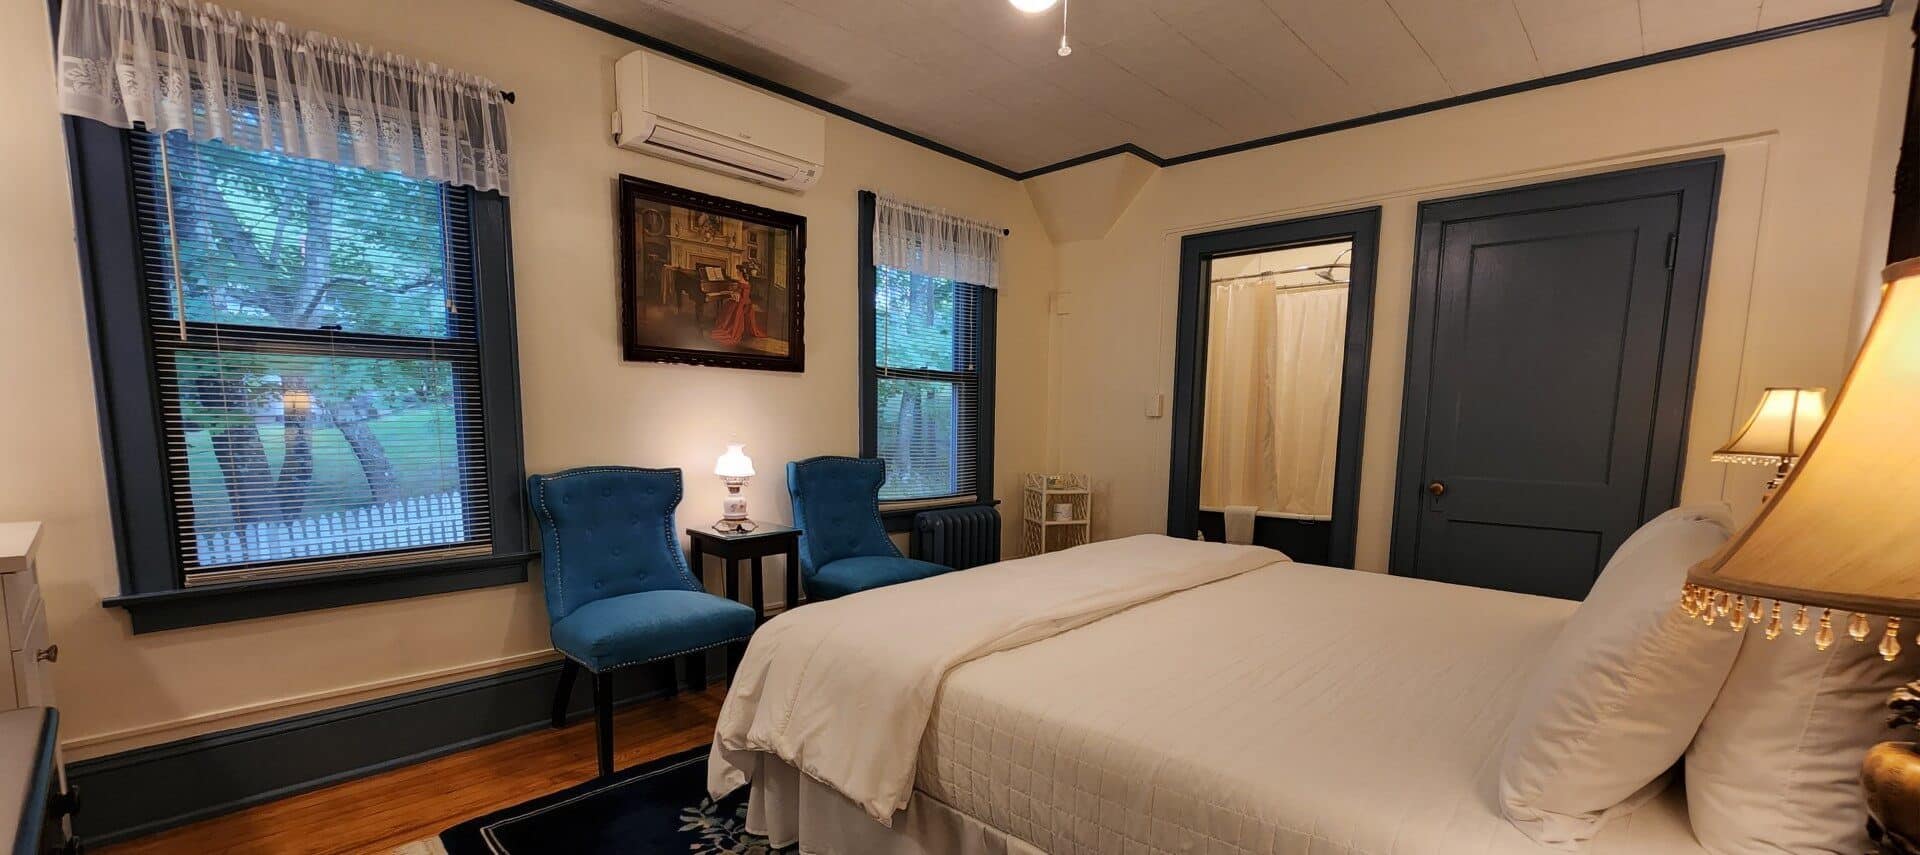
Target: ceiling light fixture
x: 1035, y: 7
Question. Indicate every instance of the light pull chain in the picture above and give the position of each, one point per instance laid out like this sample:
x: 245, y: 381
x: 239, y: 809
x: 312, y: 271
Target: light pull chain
x: 1065, y: 49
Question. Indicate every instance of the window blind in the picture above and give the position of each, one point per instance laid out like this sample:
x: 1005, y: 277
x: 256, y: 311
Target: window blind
x: 317, y: 360
x: 927, y: 374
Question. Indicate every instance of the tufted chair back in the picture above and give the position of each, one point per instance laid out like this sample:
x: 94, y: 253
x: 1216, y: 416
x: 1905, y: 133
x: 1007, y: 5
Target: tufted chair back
x: 607, y: 531
x: 836, y: 506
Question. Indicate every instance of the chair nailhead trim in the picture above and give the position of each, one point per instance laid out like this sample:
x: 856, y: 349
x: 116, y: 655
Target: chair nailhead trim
x: 590, y: 668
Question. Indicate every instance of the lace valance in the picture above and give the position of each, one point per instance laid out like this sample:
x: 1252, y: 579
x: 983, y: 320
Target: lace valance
x: 931, y: 242
x: 180, y: 65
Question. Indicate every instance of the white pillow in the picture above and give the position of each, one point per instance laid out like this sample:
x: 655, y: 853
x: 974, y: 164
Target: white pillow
x: 1776, y: 767
x: 1620, y: 693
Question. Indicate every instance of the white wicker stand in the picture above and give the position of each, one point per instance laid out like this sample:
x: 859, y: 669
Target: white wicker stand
x: 1043, y: 531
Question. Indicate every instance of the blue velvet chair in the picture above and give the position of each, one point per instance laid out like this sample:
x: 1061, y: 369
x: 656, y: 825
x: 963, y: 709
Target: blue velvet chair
x: 844, y: 548
x: 618, y: 589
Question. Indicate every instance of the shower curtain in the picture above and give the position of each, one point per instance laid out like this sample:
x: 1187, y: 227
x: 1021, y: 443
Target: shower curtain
x: 1274, y: 360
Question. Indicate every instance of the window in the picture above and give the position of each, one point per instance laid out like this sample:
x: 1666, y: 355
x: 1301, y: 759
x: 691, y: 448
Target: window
x: 928, y: 381
x: 320, y: 387
x: 927, y: 377
x: 315, y: 360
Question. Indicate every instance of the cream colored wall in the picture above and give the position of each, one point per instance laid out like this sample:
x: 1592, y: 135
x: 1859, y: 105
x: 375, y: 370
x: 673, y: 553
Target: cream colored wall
x: 1897, y: 54
x: 1801, y: 121
x: 582, y: 404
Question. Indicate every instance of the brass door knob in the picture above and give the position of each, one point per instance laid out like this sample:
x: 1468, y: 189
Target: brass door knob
x: 1437, y: 489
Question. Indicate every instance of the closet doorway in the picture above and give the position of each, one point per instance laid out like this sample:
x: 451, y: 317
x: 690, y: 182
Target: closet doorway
x: 1549, y: 364
x: 1270, y: 384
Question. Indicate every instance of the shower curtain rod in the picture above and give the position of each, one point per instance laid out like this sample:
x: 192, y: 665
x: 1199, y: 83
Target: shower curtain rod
x: 1301, y: 269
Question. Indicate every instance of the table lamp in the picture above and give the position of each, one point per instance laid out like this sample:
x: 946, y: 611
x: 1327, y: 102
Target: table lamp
x: 734, y: 467
x: 1843, y: 536
x: 1778, y: 431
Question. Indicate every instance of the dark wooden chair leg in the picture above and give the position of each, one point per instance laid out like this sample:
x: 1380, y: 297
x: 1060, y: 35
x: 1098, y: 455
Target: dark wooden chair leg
x: 603, y: 719
x: 563, y: 693
x: 759, y: 590
x: 735, y: 652
x: 697, y: 671
x: 670, y: 672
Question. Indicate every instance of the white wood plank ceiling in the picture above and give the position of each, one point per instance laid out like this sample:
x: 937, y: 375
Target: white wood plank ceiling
x: 1172, y: 76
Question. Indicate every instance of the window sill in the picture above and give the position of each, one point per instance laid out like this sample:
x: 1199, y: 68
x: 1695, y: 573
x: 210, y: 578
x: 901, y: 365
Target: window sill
x: 901, y: 518
x: 186, y: 607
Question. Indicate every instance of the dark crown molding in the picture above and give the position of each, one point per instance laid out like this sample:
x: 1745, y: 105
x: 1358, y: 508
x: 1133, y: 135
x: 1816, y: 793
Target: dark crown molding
x: 1880, y: 10
x: 660, y: 45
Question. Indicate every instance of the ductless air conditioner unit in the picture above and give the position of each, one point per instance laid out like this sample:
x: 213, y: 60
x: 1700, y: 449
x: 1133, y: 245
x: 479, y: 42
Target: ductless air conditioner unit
x: 673, y: 110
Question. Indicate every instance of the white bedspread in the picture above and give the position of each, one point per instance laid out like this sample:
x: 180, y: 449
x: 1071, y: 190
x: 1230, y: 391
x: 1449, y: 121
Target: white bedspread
x: 842, y: 690
x: 1293, y: 709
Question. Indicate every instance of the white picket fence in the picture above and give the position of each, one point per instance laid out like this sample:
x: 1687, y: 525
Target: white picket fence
x: 420, y: 521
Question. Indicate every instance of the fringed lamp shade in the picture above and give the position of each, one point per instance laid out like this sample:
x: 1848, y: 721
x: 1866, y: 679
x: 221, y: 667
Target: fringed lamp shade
x: 1840, y: 543
x: 1779, y: 429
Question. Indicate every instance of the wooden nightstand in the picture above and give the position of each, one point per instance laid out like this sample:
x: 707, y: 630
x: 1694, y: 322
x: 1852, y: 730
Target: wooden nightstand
x: 753, y: 546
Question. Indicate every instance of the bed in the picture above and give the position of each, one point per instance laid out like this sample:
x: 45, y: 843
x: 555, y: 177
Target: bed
x: 1259, y: 706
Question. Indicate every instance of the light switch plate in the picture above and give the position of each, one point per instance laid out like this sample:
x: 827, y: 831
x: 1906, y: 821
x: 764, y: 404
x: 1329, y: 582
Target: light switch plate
x: 1156, y: 405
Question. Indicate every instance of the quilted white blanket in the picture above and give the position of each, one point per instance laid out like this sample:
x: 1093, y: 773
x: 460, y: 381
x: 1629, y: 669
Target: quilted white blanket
x: 843, y: 690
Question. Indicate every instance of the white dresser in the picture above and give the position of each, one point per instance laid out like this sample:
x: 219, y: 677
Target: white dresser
x: 25, y: 683
x: 30, y: 769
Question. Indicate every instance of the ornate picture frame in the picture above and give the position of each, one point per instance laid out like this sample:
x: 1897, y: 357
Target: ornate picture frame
x: 709, y: 281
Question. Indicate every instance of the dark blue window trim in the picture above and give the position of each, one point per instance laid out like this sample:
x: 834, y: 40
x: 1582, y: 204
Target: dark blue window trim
x: 133, y: 436
x: 901, y: 519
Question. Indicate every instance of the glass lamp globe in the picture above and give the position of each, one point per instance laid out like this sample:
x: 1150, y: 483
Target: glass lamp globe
x: 734, y: 467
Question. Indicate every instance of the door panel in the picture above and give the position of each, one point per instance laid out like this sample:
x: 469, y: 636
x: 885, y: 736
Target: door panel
x: 1535, y: 386
x: 1509, y: 556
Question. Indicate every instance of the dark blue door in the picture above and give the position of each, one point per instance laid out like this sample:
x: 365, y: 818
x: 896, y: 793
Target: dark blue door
x: 1552, y: 350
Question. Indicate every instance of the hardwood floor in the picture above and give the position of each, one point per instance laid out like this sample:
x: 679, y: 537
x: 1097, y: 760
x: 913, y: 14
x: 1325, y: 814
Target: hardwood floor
x: 375, y: 814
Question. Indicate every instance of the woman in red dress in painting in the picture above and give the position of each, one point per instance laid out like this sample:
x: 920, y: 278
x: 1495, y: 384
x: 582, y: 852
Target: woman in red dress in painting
x: 737, y: 318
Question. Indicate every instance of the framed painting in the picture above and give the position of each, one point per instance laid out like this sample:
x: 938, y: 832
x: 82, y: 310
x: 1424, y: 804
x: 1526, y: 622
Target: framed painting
x: 709, y: 281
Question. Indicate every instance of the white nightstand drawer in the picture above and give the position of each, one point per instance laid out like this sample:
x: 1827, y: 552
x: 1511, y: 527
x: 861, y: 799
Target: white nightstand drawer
x: 10, y: 681
x: 32, y: 687
x: 22, y: 593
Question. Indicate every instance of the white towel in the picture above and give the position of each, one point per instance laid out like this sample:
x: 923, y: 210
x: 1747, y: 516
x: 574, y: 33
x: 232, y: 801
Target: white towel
x: 1240, y: 523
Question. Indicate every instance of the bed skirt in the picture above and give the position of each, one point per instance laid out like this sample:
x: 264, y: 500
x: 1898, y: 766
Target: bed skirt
x: 788, y: 807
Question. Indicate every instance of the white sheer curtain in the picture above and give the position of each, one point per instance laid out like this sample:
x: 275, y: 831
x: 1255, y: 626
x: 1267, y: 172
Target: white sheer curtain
x: 1274, y: 362
x: 932, y: 242
x: 179, y: 65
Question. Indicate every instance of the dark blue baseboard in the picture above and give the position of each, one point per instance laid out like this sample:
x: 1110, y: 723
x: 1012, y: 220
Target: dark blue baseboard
x: 152, y: 789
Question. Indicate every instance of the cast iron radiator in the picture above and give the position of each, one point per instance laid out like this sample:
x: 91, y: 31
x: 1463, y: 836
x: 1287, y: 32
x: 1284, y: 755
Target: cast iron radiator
x: 958, y: 537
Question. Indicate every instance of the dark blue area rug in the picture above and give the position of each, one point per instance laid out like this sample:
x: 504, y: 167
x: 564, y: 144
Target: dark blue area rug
x: 660, y: 806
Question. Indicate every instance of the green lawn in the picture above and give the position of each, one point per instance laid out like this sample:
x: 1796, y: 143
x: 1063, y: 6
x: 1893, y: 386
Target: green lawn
x: 419, y: 442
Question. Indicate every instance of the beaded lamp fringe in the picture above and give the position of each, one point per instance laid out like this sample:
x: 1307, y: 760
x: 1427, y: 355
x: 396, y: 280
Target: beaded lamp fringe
x: 1711, y: 605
